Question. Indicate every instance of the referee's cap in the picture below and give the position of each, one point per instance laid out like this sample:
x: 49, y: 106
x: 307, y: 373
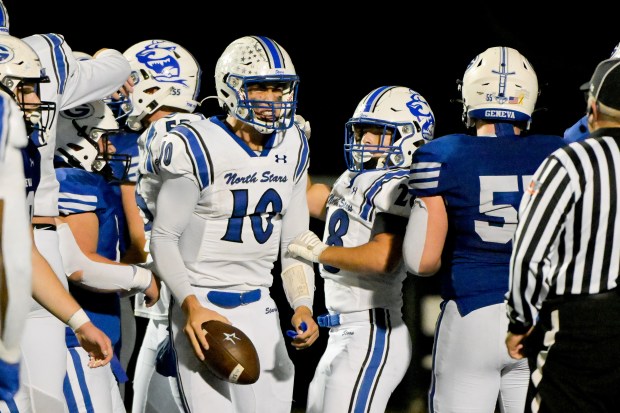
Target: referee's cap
x: 614, y: 54
x: 605, y: 83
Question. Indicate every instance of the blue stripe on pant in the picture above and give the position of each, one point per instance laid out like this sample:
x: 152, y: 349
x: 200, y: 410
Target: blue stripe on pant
x: 378, y: 347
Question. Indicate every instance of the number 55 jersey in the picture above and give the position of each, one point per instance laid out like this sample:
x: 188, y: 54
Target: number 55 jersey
x: 482, y: 195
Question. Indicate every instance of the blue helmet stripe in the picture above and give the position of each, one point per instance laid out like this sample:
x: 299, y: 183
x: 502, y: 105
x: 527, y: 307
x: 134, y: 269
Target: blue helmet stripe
x: 503, y: 72
x: 374, y: 97
x: 273, y: 52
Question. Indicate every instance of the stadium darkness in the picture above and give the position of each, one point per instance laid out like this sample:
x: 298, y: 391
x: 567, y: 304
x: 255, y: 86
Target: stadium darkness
x: 340, y: 56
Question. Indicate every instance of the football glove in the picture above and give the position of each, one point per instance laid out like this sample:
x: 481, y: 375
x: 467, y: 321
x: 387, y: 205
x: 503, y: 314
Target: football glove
x: 307, y: 246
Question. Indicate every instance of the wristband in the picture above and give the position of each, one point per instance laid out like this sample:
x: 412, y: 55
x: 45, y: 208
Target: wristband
x: 78, y: 319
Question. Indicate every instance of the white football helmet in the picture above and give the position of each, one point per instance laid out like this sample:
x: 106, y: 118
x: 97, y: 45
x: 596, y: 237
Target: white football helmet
x: 20, y: 65
x: 164, y: 74
x: 499, y: 84
x: 396, y: 109
x: 250, y: 60
x: 78, y: 134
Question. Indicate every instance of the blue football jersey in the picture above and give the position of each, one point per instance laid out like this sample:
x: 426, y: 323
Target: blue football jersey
x: 81, y: 192
x: 481, y: 180
x: 126, y: 143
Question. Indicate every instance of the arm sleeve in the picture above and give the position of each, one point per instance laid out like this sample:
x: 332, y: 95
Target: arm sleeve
x: 96, y: 78
x: 176, y: 201
x: 295, y: 221
x: 98, y: 275
x: 415, y: 236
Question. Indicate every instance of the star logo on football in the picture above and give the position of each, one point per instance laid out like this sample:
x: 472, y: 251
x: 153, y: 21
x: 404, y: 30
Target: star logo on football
x: 232, y: 337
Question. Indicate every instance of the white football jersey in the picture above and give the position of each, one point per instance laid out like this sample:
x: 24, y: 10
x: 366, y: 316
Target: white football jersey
x: 149, y: 147
x: 71, y: 84
x: 16, y: 230
x: 352, y: 207
x: 147, y: 188
x: 233, y: 237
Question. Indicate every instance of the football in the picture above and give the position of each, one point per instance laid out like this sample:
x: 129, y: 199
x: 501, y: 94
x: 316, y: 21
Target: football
x: 231, y: 356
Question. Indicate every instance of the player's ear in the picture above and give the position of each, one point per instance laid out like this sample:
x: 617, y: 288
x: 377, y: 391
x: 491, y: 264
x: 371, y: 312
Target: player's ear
x: 592, y: 109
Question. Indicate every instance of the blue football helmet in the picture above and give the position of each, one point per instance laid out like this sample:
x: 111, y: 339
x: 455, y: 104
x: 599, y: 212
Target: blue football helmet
x: 250, y: 60
x: 402, y: 117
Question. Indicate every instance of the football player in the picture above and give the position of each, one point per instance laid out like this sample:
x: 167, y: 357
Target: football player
x: 71, y: 83
x: 20, y: 77
x: 89, y: 234
x: 232, y: 194
x: 369, y: 346
x: 468, y: 189
x: 167, y: 84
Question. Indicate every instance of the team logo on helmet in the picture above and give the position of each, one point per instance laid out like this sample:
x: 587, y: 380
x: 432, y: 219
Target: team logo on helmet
x: 419, y: 108
x: 162, y: 61
x: 79, y: 112
x: 6, y: 53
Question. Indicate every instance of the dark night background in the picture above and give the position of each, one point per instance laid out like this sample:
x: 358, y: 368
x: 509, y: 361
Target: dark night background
x: 340, y: 56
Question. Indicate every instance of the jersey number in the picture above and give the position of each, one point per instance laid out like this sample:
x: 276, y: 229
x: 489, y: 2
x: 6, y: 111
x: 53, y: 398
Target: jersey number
x: 337, y: 227
x: 500, y: 234
x: 270, y: 200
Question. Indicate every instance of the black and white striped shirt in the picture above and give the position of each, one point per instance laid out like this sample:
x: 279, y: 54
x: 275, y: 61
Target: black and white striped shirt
x: 567, y: 241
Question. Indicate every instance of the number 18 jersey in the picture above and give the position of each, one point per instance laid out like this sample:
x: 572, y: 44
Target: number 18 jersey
x: 352, y: 209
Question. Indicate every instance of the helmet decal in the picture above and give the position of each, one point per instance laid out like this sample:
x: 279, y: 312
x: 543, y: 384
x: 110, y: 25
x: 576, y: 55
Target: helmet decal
x: 422, y: 112
x: 162, y: 61
x: 499, y: 84
x: 164, y: 74
x: 6, y: 54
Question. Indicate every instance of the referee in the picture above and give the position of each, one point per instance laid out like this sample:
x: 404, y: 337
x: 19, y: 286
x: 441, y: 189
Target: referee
x: 565, y: 264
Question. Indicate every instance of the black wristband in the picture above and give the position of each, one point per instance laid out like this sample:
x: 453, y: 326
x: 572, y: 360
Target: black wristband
x: 518, y: 328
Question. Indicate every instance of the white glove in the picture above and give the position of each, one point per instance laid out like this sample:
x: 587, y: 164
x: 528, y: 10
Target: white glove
x: 304, y: 125
x: 307, y: 246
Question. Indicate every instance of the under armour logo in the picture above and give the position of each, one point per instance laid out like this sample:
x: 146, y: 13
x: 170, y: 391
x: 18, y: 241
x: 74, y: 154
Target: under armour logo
x: 280, y: 158
x: 354, y: 190
x: 232, y: 337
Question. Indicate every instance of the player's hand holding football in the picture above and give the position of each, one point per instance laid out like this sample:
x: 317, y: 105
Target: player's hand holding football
x: 304, y: 337
x: 196, y: 315
x: 96, y: 343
